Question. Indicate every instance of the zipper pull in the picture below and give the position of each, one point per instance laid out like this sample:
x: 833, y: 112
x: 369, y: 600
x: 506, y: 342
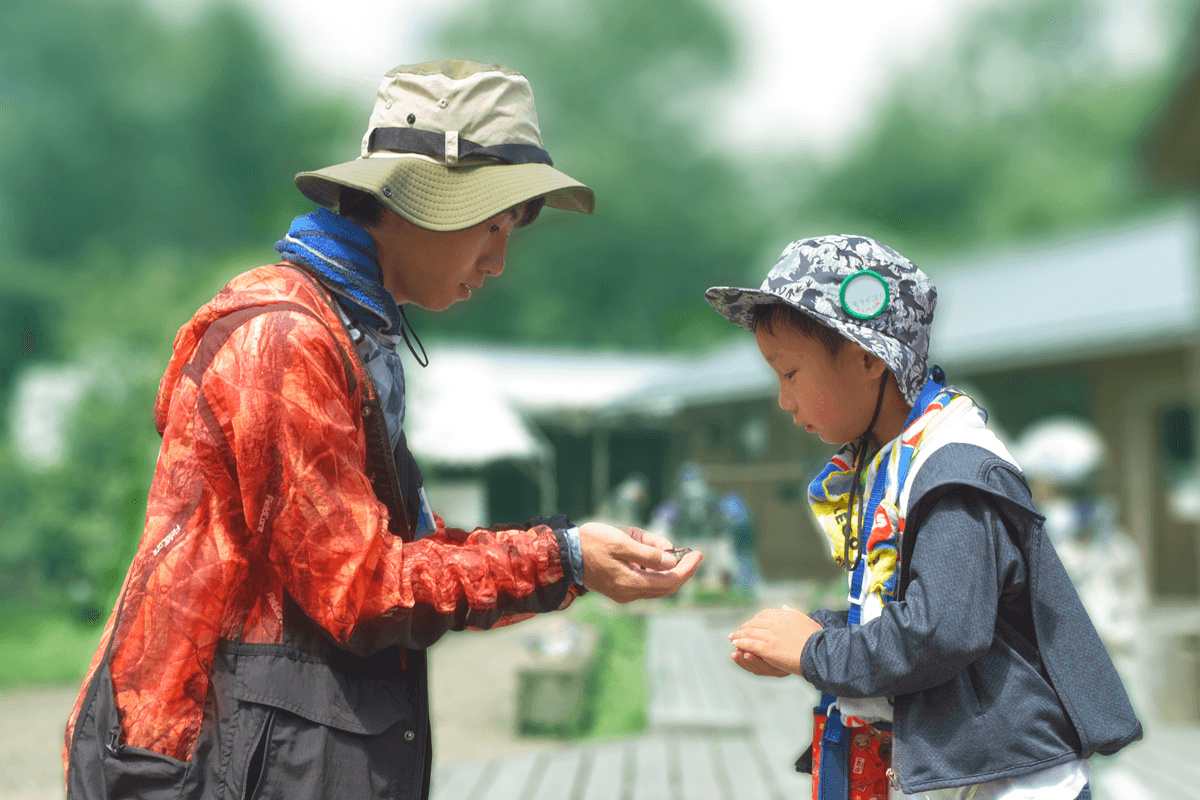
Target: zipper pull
x: 113, y: 745
x: 893, y: 781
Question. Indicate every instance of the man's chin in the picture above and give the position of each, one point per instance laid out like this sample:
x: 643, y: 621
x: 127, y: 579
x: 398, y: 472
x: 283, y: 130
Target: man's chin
x: 437, y: 305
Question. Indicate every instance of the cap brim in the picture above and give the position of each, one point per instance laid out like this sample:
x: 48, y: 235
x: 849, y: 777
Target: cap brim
x: 735, y: 304
x: 442, y: 198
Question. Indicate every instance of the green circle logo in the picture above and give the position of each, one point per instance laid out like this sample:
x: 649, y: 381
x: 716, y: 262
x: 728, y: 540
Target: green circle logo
x: 864, y: 294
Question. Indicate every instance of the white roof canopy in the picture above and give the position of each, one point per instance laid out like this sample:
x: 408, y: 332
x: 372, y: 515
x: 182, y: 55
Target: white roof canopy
x: 470, y: 405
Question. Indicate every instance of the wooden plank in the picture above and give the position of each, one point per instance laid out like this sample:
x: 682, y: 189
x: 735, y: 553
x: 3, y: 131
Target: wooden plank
x: 698, y: 778
x: 560, y: 777
x: 509, y: 779
x: 690, y: 689
x: 745, y: 772
x: 650, y: 770
x: 606, y: 772
x: 456, y: 781
x: 783, y: 705
x: 777, y: 758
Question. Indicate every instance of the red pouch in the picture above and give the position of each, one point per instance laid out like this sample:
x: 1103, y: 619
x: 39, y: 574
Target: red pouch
x: 868, y: 760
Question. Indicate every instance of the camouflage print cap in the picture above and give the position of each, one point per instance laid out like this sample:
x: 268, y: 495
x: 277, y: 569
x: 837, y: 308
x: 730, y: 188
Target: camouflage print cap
x: 864, y: 290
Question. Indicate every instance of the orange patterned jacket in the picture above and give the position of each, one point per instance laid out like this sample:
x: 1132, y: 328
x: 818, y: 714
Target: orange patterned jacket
x: 263, y: 501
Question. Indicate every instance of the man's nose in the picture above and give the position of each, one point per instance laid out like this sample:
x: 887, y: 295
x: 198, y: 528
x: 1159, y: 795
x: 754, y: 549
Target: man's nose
x: 493, y: 262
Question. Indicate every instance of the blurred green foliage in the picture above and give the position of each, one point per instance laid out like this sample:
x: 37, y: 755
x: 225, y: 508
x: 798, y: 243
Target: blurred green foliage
x: 623, y: 90
x: 618, y: 696
x: 119, y: 127
x: 139, y: 156
x: 144, y: 162
x: 1028, y: 124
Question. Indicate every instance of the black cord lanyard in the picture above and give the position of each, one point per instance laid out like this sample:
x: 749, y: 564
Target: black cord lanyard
x: 406, y: 328
x: 860, y: 464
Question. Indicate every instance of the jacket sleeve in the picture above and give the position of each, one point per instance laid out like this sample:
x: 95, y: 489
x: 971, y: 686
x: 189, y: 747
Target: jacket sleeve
x: 278, y: 389
x: 945, y: 621
x: 829, y: 619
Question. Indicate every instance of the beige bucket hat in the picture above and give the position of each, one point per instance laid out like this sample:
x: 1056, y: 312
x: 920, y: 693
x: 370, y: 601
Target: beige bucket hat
x: 449, y: 145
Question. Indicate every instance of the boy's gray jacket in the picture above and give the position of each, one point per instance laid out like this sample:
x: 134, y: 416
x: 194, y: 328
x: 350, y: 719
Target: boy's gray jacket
x: 993, y: 665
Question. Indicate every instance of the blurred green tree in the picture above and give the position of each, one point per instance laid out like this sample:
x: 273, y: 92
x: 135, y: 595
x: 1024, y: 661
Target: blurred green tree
x: 122, y: 137
x: 119, y: 126
x: 140, y: 158
x: 1029, y: 123
x: 623, y: 90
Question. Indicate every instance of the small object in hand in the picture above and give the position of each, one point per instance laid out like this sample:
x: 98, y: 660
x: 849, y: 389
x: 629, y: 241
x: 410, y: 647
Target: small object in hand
x: 680, y: 552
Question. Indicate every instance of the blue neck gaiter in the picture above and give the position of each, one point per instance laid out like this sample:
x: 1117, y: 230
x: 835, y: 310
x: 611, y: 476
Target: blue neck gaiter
x: 344, y: 257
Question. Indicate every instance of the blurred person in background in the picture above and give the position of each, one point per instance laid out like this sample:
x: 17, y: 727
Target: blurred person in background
x: 747, y: 577
x: 626, y: 504
x: 697, y: 521
x: 270, y: 635
x: 1063, y: 458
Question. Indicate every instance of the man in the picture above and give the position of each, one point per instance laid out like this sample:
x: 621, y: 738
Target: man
x: 270, y: 637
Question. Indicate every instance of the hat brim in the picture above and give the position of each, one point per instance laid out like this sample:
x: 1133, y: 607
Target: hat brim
x: 441, y: 198
x: 736, y: 304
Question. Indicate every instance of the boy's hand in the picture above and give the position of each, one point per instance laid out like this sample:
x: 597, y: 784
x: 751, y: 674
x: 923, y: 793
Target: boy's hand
x: 775, y: 636
x: 752, y: 663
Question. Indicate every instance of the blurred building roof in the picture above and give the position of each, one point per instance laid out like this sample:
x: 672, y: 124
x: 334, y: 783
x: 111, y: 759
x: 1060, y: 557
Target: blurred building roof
x: 1130, y: 288
x: 471, y: 405
x: 730, y: 373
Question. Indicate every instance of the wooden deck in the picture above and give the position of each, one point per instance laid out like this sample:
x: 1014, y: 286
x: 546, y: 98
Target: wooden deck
x: 719, y: 733
x: 716, y: 733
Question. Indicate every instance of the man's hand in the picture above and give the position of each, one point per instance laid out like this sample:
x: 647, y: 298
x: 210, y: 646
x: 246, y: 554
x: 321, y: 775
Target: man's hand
x: 631, y: 564
x: 773, y: 641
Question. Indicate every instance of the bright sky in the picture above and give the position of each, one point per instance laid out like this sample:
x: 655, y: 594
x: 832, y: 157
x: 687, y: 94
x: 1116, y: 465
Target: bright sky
x: 800, y: 56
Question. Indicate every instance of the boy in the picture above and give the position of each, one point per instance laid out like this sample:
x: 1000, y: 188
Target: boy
x: 966, y: 653
x: 270, y: 636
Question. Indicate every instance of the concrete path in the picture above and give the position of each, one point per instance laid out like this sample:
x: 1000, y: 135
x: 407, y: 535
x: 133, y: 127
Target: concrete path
x: 31, y: 740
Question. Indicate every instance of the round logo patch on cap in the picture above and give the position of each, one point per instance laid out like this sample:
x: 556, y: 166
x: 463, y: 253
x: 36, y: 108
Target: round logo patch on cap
x: 864, y: 294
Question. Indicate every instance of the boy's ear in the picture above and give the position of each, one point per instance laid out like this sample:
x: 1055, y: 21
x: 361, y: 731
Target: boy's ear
x: 875, y: 366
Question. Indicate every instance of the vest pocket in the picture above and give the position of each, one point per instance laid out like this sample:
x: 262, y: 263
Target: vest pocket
x: 301, y: 728
x: 103, y: 767
x: 254, y: 768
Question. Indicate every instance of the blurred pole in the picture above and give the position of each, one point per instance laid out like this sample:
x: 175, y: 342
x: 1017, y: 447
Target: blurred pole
x: 548, y: 479
x: 1193, y: 374
x: 600, y: 467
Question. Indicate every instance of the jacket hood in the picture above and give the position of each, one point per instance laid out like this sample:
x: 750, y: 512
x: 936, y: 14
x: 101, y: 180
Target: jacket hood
x: 258, y: 287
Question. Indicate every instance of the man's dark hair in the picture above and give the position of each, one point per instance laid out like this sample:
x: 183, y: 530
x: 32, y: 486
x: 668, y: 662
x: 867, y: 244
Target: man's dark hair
x: 768, y: 315
x: 361, y: 208
x: 365, y: 209
x: 532, y: 209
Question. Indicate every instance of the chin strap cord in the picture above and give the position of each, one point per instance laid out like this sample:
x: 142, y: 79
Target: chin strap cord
x: 860, y: 464
x: 423, y: 359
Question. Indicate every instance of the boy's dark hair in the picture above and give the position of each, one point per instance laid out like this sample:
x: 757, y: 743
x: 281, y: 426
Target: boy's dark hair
x: 365, y: 209
x: 768, y: 315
